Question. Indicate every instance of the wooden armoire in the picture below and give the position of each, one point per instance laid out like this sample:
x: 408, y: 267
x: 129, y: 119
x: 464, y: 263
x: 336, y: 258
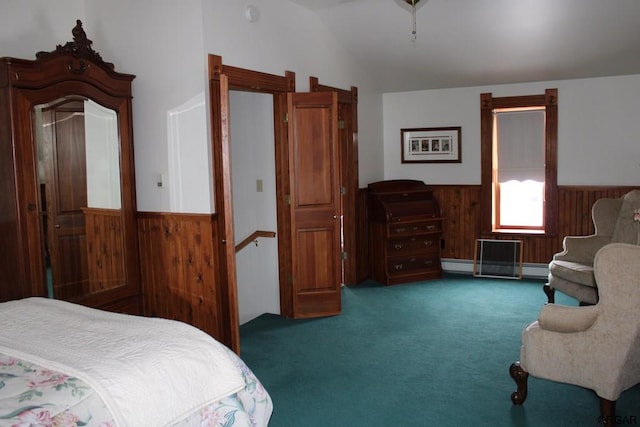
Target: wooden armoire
x: 67, y: 187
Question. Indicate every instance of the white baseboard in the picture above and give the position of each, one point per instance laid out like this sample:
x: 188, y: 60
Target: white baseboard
x: 464, y: 266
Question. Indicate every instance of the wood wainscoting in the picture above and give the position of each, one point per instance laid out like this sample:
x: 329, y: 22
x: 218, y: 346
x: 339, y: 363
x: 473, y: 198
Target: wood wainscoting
x: 105, y: 248
x: 179, y: 265
x: 460, y: 205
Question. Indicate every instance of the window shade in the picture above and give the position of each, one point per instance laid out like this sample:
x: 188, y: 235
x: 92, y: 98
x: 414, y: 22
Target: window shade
x: 520, y: 145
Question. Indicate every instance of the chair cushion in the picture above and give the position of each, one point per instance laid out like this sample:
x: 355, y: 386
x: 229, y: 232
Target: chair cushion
x: 566, y: 319
x: 573, y: 272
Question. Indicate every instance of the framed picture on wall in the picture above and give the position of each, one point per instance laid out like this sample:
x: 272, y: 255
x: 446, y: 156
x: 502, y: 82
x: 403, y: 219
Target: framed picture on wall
x: 431, y: 145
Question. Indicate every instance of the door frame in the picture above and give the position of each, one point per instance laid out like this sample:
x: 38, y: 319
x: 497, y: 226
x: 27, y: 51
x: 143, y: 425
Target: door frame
x: 348, y: 141
x: 223, y: 78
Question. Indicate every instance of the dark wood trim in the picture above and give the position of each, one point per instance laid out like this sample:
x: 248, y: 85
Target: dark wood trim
x: 551, y: 162
x: 227, y: 301
x: 182, y: 215
x: 283, y: 190
x: 486, y: 161
x: 249, y: 80
x: 487, y: 104
x: 344, y: 96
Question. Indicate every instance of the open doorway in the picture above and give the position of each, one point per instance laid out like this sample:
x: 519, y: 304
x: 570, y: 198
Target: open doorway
x: 311, y: 157
x: 253, y: 177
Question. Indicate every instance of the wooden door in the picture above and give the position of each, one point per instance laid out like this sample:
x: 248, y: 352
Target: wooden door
x: 314, y: 182
x: 348, y: 137
x: 227, y: 299
x: 65, y: 188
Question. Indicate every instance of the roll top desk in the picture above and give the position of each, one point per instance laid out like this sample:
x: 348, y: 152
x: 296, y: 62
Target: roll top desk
x: 405, y: 232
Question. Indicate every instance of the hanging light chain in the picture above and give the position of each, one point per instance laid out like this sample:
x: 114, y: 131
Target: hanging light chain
x: 413, y: 12
x: 413, y: 4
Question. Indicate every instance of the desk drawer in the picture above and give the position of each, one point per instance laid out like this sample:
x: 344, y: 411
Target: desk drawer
x: 416, y: 244
x: 414, y: 228
x: 405, y: 265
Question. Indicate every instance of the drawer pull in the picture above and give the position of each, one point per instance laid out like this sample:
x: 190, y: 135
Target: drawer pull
x: 428, y: 242
x: 428, y: 262
x: 397, y: 267
x: 431, y: 227
x: 397, y: 246
x: 400, y: 230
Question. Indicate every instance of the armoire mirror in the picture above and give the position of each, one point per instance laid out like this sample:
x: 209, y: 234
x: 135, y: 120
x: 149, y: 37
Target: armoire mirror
x: 80, y: 207
x: 66, y: 124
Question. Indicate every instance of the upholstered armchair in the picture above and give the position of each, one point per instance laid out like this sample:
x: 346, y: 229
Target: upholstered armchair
x: 571, y: 271
x: 596, y: 347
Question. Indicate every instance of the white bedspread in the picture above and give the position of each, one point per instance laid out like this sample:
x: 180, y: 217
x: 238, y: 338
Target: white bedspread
x: 148, y: 371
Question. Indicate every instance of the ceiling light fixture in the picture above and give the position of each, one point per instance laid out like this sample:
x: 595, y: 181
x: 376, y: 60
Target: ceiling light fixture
x: 413, y: 4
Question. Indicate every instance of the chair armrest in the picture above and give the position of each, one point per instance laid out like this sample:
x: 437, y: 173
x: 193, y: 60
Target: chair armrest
x: 581, y: 249
x: 562, y: 318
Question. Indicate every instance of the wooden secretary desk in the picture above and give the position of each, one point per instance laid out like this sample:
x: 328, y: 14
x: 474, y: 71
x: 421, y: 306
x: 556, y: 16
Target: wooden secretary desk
x: 405, y: 231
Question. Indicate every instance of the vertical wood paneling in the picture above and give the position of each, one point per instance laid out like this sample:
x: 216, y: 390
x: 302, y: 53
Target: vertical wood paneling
x: 180, y: 268
x: 105, y: 249
x: 460, y: 207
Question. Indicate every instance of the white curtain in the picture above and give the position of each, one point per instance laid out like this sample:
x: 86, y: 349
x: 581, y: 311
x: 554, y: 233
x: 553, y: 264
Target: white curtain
x: 520, y: 145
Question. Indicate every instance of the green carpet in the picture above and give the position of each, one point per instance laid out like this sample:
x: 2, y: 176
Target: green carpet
x: 420, y: 354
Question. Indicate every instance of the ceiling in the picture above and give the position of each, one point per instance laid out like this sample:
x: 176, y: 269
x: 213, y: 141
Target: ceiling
x: 483, y: 42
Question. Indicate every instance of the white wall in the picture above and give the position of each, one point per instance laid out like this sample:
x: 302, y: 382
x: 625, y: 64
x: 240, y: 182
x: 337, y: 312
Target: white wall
x: 161, y: 42
x: 598, y: 129
x: 290, y: 37
x: 30, y: 26
x: 188, y: 147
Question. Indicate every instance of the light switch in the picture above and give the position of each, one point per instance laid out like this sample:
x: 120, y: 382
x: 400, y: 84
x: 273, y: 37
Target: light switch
x: 259, y: 186
x: 160, y: 180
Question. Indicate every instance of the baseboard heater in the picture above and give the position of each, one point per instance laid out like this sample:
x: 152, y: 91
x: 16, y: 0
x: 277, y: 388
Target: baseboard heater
x: 498, y: 259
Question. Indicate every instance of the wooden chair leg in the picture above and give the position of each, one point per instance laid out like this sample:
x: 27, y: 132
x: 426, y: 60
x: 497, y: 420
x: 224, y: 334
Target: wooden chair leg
x: 607, y: 412
x: 550, y: 293
x: 520, y: 376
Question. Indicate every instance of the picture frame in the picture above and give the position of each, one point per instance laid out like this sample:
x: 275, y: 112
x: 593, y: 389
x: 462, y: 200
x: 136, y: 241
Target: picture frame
x: 431, y: 145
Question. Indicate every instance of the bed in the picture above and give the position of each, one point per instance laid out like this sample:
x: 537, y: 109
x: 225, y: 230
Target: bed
x: 62, y: 364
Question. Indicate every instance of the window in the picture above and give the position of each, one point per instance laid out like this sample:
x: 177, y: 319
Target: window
x: 519, y: 158
x: 518, y: 168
